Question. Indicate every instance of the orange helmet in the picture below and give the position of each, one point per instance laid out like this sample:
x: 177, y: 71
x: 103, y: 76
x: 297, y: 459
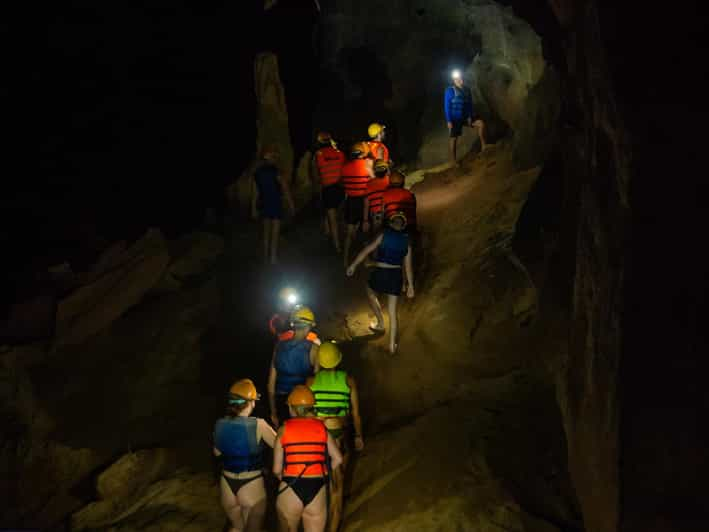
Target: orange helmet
x: 397, y: 179
x: 243, y: 390
x: 301, y: 396
x: 324, y: 137
x: 359, y: 150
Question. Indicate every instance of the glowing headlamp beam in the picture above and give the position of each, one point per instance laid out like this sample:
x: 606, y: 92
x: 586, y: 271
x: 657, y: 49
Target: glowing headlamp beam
x: 455, y: 74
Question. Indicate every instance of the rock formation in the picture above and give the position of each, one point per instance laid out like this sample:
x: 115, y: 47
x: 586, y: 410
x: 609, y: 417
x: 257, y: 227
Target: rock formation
x: 412, y: 49
x: 272, y: 130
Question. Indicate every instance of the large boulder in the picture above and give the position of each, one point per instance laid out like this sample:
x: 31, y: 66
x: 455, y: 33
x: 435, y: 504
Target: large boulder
x: 94, y: 306
x: 490, y: 460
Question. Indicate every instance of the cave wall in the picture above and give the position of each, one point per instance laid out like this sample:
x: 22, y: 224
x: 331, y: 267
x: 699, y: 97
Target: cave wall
x: 631, y: 388
x: 395, y: 66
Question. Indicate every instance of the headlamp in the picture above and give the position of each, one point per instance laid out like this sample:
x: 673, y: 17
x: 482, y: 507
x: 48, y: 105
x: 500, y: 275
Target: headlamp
x: 456, y: 74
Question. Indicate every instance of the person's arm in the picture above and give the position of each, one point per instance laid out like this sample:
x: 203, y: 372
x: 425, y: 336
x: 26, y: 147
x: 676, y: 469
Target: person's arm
x: 409, y: 271
x: 272, y: 389
x: 447, y: 107
x: 365, y: 214
x: 469, y: 107
x: 370, y: 168
x: 265, y: 432
x: 278, y: 455
x: 364, y: 254
x: 334, y: 451
x: 314, y: 359
x: 356, y: 419
x: 287, y: 193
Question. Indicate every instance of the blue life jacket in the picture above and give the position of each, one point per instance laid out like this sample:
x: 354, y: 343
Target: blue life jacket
x: 394, y: 247
x: 292, y: 364
x: 266, y: 182
x: 458, y: 104
x: 237, y: 440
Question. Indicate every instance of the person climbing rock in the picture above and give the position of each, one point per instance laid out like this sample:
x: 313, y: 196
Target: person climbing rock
x: 302, y: 455
x: 293, y: 361
x: 267, y: 190
x: 355, y: 174
x: 238, y: 442
x: 377, y: 148
x: 458, y: 108
x: 396, y: 198
x: 393, y: 251
x: 328, y: 164
x: 337, y: 404
x: 372, y: 212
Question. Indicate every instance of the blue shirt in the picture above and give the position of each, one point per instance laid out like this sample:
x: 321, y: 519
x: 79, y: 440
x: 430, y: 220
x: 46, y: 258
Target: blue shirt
x: 458, y: 104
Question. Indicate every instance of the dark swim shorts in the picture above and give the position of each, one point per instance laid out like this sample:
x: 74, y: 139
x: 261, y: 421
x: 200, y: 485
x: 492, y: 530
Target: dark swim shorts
x: 332, y: 196
x: 386, y: 281
x: 354, y: 207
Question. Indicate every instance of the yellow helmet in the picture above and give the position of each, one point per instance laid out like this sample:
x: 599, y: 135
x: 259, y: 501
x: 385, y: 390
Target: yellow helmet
x: 303, y: 316
x: 301, y: 396
x: 329, y: 355
x: 360, y: 150
x: 374, y: 129
x: 381, y: 165
x: 243, y: 390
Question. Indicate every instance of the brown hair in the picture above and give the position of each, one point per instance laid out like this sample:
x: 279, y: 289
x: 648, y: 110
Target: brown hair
x: 233, y: 410
x: 302, y: 410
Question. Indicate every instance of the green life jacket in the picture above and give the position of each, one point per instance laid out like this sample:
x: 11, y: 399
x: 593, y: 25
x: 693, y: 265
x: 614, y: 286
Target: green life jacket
x: 332, y: 394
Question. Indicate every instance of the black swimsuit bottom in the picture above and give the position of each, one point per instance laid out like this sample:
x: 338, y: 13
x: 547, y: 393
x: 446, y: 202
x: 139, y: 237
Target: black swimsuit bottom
x: 306, y: 488
x: 237, y: 483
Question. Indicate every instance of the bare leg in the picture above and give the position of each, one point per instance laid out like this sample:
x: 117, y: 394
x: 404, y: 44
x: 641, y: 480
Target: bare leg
x: 231, y: 506
x: 252, y: 499
x: 315, y: 514
x: 332, y: 223
x: 289, y: 509
x: 480, y: 125
x: 451, y: 148
x: 266, y: 239
x: 393, y: 323
x: 376, y: 308
x: 337, y: 490
x: 275, y: 234
x: 349, y: 236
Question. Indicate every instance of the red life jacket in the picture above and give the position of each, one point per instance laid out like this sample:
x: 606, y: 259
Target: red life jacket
x: 329, y: 162
x: 355, y: 176
x: 400, y: 199
x: 375, y: 187
x: 374, y: 146
x: 304, y: 443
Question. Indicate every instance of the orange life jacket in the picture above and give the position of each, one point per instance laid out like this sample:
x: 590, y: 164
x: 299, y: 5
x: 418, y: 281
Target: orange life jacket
x: 374, y: 146
x: 375, y: 187
x: 289, y: 335
x: 304, y: 443
x: 329, y: 162
x: 277, y: 323
x: 400, y: 199
x: 355, y: 176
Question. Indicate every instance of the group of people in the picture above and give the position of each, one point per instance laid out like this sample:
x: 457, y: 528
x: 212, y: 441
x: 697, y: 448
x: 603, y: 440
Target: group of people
x: 315, y: 411
x: 315, y: 420
x: 361, y: 185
